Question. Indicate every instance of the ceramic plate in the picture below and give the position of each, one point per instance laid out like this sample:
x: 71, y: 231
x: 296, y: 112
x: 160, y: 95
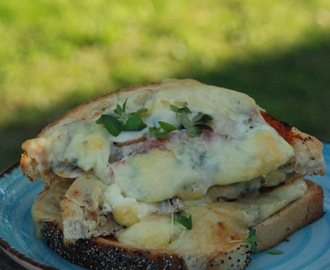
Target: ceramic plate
x: 309, y: 248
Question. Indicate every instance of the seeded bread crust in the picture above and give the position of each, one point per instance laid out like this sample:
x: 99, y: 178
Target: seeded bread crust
x: 107, y: 253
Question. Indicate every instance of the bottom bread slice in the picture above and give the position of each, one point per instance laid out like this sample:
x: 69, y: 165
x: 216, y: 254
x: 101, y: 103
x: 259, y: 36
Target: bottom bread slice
x: 108, y: 253
x: 298, y: 214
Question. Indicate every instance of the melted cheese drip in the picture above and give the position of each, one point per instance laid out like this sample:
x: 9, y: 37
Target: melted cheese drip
x: 83, y: 145
x: 190, y: 166
x: 215, y: 225
x: 47, y: 205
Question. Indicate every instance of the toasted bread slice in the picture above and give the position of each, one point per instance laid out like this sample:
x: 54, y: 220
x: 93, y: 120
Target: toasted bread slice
x: 291, y: 218
x: 108, y: 253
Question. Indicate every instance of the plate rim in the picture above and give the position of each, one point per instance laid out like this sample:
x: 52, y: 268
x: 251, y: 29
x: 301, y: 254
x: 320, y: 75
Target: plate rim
x: 13, y: 253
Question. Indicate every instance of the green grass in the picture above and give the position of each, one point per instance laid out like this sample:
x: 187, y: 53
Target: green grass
x: 57, y: 54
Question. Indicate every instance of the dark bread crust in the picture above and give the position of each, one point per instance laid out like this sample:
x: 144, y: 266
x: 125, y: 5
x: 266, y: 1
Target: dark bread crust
x: 107, y: 253
x: 308, y: 149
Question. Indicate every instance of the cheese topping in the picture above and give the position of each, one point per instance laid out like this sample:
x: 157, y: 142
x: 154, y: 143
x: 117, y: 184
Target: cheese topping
x: 188, y: 167
x: 215, y: 226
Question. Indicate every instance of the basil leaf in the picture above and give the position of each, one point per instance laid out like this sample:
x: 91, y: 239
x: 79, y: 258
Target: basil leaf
x: 111, y: 123
x: 134, y: 123
x: 167, y: 127
x: 183, y: 220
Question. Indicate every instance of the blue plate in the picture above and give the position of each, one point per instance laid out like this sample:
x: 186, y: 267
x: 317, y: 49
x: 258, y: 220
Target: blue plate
x: 309, y: 248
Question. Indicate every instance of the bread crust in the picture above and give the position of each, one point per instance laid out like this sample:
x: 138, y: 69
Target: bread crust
x: 290, y: 219
x: 308, y: 149
x: 107, y: 253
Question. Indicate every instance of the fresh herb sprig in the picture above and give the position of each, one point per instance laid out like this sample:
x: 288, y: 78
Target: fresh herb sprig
x: 196, y: 125
x: 120, y: 120
x: 193, y: 127
x: 252, y: 240
x: 162, y: 132
x: 183, y: 220
x: 275, y: 251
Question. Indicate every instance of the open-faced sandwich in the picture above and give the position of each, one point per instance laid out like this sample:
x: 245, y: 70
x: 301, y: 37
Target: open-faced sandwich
x: 175, y: 175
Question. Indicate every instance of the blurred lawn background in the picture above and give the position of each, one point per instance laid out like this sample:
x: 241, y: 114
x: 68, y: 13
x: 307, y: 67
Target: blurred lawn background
x: 57, y: 54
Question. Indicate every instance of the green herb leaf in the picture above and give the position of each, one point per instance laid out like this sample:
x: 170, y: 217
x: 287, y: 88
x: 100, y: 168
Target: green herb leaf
x: 185, y: 121
x: 203, y: 127
x: 121, y: 110
x: 193, y: 127
x: 275, y: 251
x: 167, y: 127
x: 134, y: 123
x: 193, y: 131
x: 180, y: 109
x: 202, y: 118
x: 182, y: 219
x: 156, y: 132
x: 252, y: 240
x: 121, y: 121
x: 111, y: 123
x: 162, y: 132
x: 141, y: 111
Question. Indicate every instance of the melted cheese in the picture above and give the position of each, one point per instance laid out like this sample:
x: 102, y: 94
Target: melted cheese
x: 247, y: 148
x: 190, y: 166
x: 215, y: 225
x: 126, y: 211
x: 242, y: 147
x: 82, y: 145
x: 47, y: 205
